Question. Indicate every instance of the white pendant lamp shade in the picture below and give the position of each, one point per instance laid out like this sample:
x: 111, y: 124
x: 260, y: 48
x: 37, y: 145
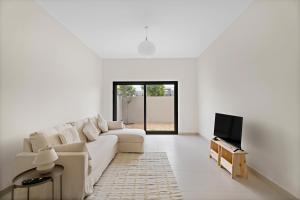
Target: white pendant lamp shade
x: 146, y: 48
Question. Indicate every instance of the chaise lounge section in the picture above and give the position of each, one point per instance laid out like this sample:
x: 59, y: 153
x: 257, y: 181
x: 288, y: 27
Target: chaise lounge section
x: 129, y: 140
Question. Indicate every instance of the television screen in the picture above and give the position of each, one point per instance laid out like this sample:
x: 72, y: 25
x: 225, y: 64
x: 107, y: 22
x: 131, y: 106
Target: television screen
x: 229, y: 128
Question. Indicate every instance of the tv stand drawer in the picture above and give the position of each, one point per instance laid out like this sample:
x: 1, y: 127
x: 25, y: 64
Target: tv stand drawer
x: 227, y: 165
x: 214, y: 155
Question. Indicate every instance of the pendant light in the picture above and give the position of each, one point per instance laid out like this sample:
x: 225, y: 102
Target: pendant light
x: 146, y: 48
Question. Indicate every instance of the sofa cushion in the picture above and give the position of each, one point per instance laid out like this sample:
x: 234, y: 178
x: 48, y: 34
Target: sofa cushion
x: 44, y: 137
x: 94, y: 120
x: 90, y: 131
x: 113, y: 125
x: 99, y: 148
x: 52, y: 135
x: 69, y: 136
x: 102, y: 123
x: 38, y: 141
x: 128, y: 135
x: 62, y: 127
x: 79, y: 126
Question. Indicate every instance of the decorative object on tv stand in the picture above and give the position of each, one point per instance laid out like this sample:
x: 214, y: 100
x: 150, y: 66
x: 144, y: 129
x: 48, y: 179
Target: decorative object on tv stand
x: 44, y: 159
x: 146, y: 48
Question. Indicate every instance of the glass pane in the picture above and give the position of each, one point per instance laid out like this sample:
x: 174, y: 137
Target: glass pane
x: 160, y: 107
x: 130, y: 105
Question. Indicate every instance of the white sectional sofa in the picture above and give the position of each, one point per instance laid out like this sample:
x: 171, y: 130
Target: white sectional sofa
x: 81, y: 169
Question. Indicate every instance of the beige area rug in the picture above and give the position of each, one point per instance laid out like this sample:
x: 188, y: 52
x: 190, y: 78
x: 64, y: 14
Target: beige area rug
x: 138, y: 176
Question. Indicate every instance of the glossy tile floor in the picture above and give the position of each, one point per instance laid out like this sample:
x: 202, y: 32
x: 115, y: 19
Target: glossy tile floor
x: 200, y: 178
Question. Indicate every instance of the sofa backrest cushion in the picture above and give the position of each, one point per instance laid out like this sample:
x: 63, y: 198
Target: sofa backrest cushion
x: 38, y: 141
x: 94, y: 120
x: 102, y: 123
x: 113, y: 125
x: 90, y: 131
x: 44, y: 137
x: 69, y: 136
x: 62, y: 127
x: 51, y: 135
x: 79, y: 127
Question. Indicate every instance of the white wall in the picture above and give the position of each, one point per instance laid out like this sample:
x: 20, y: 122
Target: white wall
x: 47, y: 77
x: 253, y: 70
x: 181, y: 70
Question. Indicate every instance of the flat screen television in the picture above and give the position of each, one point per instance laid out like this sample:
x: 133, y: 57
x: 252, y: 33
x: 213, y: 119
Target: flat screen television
x: 229, y: 128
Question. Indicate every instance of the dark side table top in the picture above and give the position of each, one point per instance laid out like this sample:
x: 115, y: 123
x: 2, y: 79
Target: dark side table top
x: 33, y: 173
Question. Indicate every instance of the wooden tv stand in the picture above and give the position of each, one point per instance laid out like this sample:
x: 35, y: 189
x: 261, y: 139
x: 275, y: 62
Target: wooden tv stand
x: 229, y: 158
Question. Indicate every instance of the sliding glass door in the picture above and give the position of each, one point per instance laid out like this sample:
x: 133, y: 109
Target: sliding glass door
x: 150, y: 105
x: 160, y: 107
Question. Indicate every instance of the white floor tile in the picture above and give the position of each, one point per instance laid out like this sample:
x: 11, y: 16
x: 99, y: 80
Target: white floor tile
x: 200, y: 178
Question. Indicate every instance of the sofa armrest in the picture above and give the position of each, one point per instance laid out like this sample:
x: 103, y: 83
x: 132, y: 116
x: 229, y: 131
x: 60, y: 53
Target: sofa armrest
x: 24, y: 161
x: 75, y: 173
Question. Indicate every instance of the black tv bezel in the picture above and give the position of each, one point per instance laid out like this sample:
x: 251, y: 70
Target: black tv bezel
x: 236, y: 144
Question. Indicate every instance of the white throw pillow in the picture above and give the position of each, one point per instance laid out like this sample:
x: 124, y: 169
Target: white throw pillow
x: 69, y: 136
x: 102, y: 123
x: 112, y: 125
x: 62, y: 127
x: 90, y: 131
x: 51, y: 134
x: 75, y: 147
x: 94, y: 120
x: 79, y: 127
x: 38, y: 141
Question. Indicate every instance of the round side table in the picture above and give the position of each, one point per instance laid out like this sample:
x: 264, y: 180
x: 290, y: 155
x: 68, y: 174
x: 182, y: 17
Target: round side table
x: 33, y: 173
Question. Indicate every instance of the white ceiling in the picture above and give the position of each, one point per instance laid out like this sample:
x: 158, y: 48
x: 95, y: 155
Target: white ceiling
x: 114, y: 28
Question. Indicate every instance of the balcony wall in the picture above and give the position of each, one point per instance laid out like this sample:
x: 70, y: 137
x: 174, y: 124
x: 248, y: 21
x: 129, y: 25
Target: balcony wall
x: 159, y: 109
